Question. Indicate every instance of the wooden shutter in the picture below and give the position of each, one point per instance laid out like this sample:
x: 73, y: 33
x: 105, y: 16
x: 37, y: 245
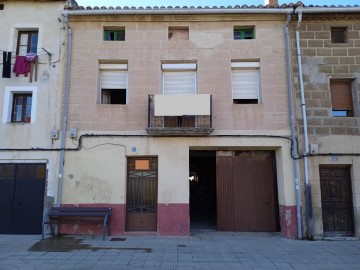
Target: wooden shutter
x: 179, y: 78
x: 245, y: 83
x: 341, y: 95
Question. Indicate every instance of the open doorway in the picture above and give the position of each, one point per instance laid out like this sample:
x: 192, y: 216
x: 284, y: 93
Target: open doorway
x: 202, y: 181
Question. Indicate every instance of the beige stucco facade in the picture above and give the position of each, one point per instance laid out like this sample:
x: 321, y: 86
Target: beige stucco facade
x: 97, y: 174
x: 46, y: 89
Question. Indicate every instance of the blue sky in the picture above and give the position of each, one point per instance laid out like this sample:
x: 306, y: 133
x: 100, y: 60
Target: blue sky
x: 210, y: 3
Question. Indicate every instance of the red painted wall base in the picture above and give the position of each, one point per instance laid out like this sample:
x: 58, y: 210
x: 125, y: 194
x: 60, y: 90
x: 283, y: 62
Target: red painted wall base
x: 288, y: 221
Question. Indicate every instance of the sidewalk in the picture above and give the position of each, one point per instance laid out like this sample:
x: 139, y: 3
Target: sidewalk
x: 203, y: 250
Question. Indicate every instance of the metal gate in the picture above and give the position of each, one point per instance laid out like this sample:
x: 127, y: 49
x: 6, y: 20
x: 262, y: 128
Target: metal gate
x: 247, y: 192
x: 22, y: 189
x: 141, y: 198
x: 336, y: 201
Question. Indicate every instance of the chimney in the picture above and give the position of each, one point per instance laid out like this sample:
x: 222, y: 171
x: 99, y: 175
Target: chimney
x: 271, y: 2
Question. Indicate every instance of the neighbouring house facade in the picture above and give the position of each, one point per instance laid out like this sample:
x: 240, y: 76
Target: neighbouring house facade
x: 181, y: 119
x: 329, y: 44
x: 32, y: 50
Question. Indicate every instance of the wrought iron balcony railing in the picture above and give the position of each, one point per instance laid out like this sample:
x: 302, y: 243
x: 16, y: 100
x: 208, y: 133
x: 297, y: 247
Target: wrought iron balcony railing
x: 162, y: 123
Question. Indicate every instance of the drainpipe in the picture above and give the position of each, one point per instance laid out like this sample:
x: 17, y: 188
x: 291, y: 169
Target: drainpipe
x: 66, y: 106
x: 292, y: 127
x: 309, y: 216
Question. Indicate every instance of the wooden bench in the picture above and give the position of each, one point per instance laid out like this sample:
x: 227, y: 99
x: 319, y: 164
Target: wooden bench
x: 91, y: 215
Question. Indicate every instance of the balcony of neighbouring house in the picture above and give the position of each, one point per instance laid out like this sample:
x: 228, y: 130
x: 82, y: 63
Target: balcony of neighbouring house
x: 180, y: 115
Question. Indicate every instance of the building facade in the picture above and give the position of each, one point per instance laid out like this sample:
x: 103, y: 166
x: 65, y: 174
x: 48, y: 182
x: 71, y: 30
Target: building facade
x: 329, y: 43
x: 32, y: 45
x: 180, y: 119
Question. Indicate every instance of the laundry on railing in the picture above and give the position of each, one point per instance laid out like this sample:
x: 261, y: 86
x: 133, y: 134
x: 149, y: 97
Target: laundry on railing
x: 21, y: 66
x: 6, y: 73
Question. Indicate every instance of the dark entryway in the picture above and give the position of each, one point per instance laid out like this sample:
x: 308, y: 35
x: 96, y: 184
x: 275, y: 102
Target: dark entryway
x: 22, y: 189
x: 336, y: 201
x: 141, y: 197
x: 202, y: 190
x: 247, y: 191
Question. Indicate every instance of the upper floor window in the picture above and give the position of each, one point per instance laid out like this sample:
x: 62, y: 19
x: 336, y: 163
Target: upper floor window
x: 21, y: 110
x: 113, y: 83
x: 27, y: 42
x: 178, y: 33
x: 20, y: 103
x: 179, y: 78
x: 341, y: 98
x: 338, y: 34
x: 244, y: 32
x: 114, y: 34
x: 245, y: 82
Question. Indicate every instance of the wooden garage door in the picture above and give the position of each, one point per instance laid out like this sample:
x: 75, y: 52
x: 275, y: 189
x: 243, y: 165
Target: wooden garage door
x: 336, y: 201
x: 22, y: 189
x: 247, y: 192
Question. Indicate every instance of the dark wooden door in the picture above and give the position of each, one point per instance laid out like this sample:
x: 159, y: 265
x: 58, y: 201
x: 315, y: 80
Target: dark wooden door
x: 22, y: 189
x: 141, y: 197
x: 336, y: 201
x: 247, y: 192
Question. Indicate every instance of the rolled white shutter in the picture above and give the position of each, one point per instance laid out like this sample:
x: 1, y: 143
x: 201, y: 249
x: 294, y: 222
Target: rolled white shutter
x: 179, y: 82
x: 113, y: 79
x: 245, y: 83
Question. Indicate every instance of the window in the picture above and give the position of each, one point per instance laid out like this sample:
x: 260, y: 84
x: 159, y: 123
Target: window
x: 1, y: 6
x: 21, y: 110
x: 20, y: 103
x: 179, y: 78
x: 245, y: 82
x: 178, y: 33
x: 114, y: 34
x: 338, y: 34
x: 241, y: 32
x: 27, y: 42
x: 113, y: 83
x: 341, y: 98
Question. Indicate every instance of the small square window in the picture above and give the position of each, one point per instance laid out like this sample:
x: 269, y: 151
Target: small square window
x: 27, y: 42
x: 1, y: 6
x: 244, y: 32
x: 178, y: 33
x: 114, y: 34
x: 341, y: 98
x: 338, y: 34
x: 21, y: 109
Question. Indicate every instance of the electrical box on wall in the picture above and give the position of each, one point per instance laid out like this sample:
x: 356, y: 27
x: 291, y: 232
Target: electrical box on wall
x: 314, y: 148
x: 73, y: 132
x: 54, y: 134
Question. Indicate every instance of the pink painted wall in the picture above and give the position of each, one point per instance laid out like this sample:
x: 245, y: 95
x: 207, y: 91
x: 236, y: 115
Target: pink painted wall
x: 288, y: 221
x: 173, y: 219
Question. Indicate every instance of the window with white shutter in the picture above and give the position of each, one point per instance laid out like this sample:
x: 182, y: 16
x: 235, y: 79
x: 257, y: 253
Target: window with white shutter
x: 113, y: 83
x: 179, y: 78
x: 245, y: 82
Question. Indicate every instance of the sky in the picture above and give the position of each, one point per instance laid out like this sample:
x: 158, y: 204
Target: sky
x: 210, y: 3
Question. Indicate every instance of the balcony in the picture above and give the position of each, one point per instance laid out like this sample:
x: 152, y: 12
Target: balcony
x: 180, y: 115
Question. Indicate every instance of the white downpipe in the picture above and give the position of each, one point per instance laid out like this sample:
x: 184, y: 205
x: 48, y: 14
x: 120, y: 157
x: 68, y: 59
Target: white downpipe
x: 66, y: 106
x: 306, y: 138
x: 292, y: 128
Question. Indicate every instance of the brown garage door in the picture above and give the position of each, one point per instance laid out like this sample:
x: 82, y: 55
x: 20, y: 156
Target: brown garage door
x: 336, y: 201
x: 247, y: 192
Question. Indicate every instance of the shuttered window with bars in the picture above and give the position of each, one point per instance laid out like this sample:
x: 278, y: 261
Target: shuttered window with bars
x: 113, y: 83
x: 341, y: 98
x: 245, y: 82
